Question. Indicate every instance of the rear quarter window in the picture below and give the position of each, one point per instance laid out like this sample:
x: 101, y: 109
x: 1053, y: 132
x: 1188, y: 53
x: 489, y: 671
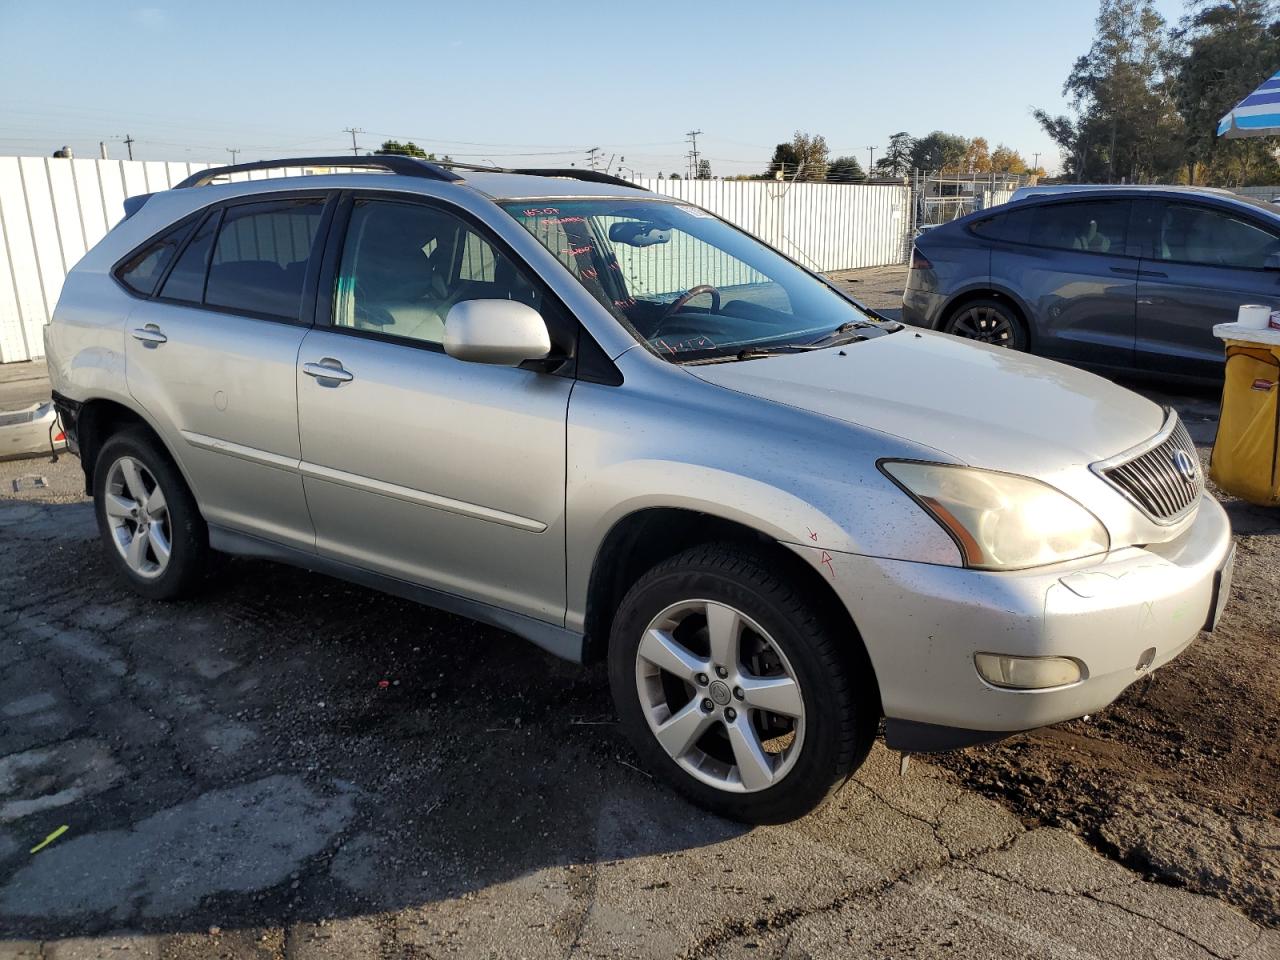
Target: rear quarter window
x: 142, y: 270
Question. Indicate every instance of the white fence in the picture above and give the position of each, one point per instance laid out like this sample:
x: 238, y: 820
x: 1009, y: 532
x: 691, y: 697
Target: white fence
x: 53, y: 210
x: 825, y: 226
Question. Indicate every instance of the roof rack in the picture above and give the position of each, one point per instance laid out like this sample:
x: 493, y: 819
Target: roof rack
x: 392, y: 162
x: 572, y: 173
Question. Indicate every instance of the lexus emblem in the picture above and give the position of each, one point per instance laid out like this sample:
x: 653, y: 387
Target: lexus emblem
x: 1185, y: 465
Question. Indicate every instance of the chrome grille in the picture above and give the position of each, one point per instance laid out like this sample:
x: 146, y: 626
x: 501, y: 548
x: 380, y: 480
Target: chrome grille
x: 1165, y: 481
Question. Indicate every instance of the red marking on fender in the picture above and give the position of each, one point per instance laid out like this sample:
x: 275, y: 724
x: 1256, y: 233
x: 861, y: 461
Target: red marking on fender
x: 813, y: 535
x: 826, y: 561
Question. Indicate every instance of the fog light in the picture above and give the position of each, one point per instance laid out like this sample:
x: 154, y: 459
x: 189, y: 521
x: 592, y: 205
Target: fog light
x: 1026, y: 673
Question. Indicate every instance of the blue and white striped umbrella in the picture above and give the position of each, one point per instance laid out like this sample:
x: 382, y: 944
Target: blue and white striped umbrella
x: 1257, y: 115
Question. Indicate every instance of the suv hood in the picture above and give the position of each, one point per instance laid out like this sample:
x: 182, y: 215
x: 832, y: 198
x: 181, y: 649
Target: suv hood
x: 983, y: 406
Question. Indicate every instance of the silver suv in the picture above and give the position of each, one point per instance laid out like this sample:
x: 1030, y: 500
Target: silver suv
x: 616, y: 425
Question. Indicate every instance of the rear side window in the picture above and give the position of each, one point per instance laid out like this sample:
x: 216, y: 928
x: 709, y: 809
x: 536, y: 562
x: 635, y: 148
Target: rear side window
x: 141, y: 271
x: 1098, y: 226
x: 259, y: 260
x: 1011, y: 226
x: 1192, y: 234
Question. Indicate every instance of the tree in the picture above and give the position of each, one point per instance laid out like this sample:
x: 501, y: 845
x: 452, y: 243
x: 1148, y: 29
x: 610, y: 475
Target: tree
x: 896, y: 161
x: 704, y: 169
x: 845, y: 169
x: 1223, y: 49
x: 408, y: 149
x: 1125, y: 125
x: 977, y: 157
x: 784, y: 162
x: 1007, y: 160
x: 939, y: 152
x: 674, y: 176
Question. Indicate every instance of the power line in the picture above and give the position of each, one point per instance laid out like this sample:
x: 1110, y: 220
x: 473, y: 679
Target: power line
x: 355, y: 148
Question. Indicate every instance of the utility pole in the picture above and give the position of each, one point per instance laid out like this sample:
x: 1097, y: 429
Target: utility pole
x: 1035, y: 164
x: 591, y: 156
x: 233, y: 152
x: 871, y: 164
x: 102, y: 149
x: 355, y: 148
x: 692, y: 136
x: 129, y: 142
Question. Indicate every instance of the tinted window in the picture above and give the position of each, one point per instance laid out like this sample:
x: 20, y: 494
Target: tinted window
x: 1097, y: 226
x: 186, y: 279
x: 404, y: 266
x: 260, y: 259
x: 1212, y: 237
x: 1011, y: 226
x: 141, y: 271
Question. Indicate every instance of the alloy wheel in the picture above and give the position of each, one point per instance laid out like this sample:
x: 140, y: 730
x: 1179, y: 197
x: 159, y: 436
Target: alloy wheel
x: 720, y: 696
x: 138, y: 516
x: 984, y: 324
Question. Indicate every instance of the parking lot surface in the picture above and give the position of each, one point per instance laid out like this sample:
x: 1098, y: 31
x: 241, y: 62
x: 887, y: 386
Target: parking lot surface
x: 290, y: 766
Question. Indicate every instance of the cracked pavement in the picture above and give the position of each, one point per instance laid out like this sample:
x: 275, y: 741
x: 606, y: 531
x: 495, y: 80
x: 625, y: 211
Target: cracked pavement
x: 238, y: 782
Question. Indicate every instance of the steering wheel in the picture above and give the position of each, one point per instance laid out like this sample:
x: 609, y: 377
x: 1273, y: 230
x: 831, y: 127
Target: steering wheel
x: 688, y: 295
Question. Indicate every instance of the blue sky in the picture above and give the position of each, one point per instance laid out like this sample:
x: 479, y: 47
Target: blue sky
x: 532, y: 82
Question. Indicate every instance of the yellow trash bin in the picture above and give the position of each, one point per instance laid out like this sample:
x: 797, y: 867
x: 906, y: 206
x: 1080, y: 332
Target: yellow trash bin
x: 1244, y: 460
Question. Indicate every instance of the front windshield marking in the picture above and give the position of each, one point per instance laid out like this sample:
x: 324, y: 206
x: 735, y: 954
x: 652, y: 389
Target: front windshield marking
x: 685, y: 284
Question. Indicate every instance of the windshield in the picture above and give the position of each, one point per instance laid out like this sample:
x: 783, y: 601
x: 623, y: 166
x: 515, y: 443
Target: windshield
x: 687, y: 285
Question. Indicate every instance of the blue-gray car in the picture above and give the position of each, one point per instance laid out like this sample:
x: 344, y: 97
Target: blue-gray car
x: 1130, y: 278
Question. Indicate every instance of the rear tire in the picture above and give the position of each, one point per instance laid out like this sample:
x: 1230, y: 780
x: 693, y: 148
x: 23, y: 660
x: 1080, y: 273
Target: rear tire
x: 988, y: 321
x: 698, y: 721
x: 152, y: 532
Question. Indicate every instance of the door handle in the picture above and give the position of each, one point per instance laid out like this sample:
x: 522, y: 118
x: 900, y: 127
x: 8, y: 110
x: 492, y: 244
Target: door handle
x: 328, y: 369
x: 1127, y: 271
x: 150, y: 334
x: 1152, y: 273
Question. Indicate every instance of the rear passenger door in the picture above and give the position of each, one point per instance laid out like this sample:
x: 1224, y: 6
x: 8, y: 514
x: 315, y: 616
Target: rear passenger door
x: 418, y: 466
x: 1070, y: 262
x: 211, y: 356
x: 1201, y: 262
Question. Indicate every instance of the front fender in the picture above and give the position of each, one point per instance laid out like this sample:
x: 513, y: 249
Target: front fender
x: 792, y: 476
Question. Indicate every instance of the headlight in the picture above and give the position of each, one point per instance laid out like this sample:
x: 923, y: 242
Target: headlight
x: 1001, y: 521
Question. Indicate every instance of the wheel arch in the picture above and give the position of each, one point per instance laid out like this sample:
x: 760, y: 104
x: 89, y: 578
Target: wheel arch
x: 644, y: 538
x: 989, y: 292
x: 98, y: 420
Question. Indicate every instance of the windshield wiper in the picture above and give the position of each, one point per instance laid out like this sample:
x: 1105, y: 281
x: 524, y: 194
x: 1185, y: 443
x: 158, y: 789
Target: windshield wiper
x: 848, y: 332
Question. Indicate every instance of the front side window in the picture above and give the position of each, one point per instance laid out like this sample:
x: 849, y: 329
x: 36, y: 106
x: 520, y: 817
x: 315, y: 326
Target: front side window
x: 405, y: 265
x: 1214, y: 238
x: 687, y: 285
x: 259, y: 261
x: 1097, y: 226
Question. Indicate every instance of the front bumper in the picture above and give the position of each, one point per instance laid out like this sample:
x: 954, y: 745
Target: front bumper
x: 923, y: 623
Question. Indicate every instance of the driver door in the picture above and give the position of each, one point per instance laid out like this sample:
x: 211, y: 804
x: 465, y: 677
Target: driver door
x: 433, y: 470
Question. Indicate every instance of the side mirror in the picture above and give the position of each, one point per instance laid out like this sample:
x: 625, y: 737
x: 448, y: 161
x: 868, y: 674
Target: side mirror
x: 1272, y: 262
x: 503, y: 332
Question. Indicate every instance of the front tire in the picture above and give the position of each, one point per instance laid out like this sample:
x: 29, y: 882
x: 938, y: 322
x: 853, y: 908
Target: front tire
x: 733, y: 685
x: 988, y: 321
x: 152, y: 532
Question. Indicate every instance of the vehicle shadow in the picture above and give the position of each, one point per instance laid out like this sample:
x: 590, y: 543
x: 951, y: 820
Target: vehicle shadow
x: 284, y: 748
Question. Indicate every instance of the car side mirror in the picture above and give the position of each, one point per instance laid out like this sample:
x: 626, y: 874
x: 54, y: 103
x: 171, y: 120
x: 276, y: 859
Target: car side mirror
x: 1272, y: 262
x: 503, y: 332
